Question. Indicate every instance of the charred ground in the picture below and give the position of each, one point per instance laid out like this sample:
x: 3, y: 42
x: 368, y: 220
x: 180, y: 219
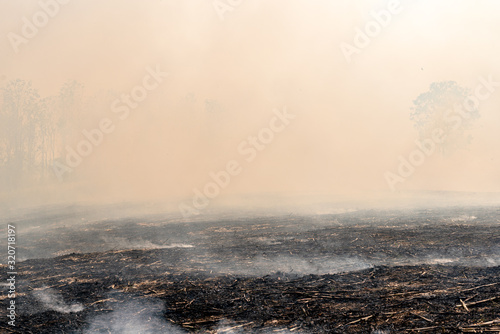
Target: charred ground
x: 431, y: 271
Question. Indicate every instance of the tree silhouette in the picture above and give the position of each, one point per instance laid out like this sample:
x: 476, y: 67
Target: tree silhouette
x: 19, y: 115
x: 34, y: 130
x: 70, y: 107
x: 443, y: 107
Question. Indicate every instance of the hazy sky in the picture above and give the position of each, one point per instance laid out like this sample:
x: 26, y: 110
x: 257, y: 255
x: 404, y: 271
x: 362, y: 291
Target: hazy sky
x: 352, y: 119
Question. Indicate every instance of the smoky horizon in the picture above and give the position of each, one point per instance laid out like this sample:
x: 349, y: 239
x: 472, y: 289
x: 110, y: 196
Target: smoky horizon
x: 249, y: 166
x: 205, y: 103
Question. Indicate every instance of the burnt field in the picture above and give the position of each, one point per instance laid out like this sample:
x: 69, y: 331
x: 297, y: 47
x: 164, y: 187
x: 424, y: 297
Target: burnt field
x: 430, y: 271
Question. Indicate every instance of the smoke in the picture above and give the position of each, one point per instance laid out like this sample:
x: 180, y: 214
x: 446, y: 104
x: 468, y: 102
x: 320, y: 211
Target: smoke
x: 489, y: 259
x: 462, y: 218
x: 139, y: 243
x: 352, y: 119
x: 52, y: 300
x: 298, y: 265
x: 132, y: 317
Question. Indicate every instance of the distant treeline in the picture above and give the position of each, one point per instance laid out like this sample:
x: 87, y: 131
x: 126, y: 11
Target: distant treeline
x: 34, y: 130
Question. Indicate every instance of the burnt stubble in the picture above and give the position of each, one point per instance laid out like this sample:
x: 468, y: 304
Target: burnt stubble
x: 434, y: 271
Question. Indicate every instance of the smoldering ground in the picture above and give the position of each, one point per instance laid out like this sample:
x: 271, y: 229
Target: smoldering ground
x: 155, y: 272
x: 133, y: 287
x: 257, y: 244
x: 133, y: 316
x: 52, y: 301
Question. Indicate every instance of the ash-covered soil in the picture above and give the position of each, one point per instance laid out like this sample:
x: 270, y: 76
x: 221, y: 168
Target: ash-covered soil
x: 431, y: 271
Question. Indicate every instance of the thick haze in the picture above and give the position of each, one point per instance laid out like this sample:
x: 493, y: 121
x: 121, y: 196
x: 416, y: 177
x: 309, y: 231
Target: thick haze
x: 225, y: 77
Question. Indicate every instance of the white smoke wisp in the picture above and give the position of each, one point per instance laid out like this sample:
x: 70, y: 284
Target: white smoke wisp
x: 52, y: 300
x: 461, y: 218
x: 492, y: 261
x: 489, y: 259
x: 124, y: 243
x: 145, y: 317
x: 294, y: 265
